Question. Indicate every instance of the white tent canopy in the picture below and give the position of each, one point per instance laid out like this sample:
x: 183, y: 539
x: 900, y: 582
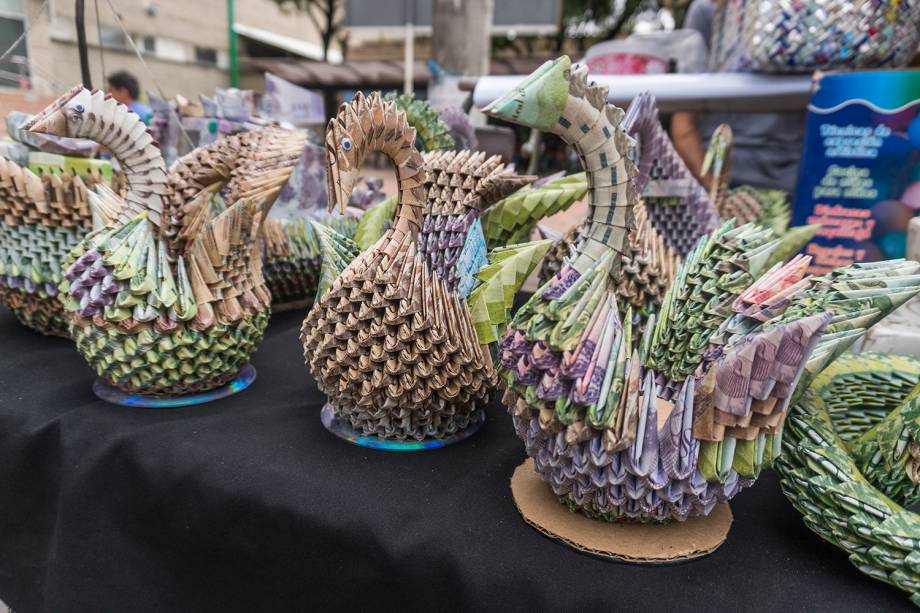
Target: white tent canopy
x: 302, y: 48
x: 689, y: 92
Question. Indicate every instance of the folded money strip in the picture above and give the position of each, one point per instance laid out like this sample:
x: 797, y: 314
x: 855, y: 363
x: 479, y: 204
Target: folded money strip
x: 813, y: 35
x: 851, y: 463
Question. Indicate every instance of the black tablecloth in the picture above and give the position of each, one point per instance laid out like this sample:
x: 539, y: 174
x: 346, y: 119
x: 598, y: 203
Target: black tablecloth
x: 248, y: 504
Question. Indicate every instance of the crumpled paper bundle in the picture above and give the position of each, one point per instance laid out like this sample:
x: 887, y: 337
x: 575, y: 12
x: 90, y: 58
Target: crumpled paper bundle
x: 850, y: 463
x: 811, y: 35
x: 662, y: 418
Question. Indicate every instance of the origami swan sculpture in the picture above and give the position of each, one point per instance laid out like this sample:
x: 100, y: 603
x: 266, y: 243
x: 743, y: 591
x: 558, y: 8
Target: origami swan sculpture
x: 41, y: 219
x: 663, y: 417
x: 167, y: 298
x: 851, y: 463
x: 393, y: 342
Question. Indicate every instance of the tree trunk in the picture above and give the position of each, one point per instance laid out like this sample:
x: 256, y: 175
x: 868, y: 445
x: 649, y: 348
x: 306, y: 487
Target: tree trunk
x: 461, y: 34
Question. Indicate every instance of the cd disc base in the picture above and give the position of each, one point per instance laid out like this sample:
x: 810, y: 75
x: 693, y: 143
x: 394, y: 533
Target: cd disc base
x: 106, y: 391
x: 344, y: 430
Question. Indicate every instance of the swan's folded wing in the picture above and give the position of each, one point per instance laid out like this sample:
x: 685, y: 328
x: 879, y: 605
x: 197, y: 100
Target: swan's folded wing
x: 374, y: 222
x: 740, y: 405
x: 490, y: 303
x: 337, y: 253
x: 512, y: 218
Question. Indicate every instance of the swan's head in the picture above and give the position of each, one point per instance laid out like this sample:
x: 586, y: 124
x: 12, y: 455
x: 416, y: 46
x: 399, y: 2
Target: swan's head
x: 64, y: 116
x: 345, y: 148
x: 539, y: 100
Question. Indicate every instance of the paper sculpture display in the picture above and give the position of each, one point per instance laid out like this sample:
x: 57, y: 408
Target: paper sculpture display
x: 851, y: 463
x: 293, y: 254
x: 393, y: 342
x: 292, y: 257
x: 678, y: 209
x: 769, y: 208
x: 41, y: 219
x: 507, y: 220
x: 167, y: 298
x: 663, y: 416
x: 813, y: 35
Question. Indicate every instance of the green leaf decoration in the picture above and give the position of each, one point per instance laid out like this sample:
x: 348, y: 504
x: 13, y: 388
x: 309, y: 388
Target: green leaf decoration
x: 490, y: 303
x: 777, y: 211
x: 792, y: 241
x: 431, y: 133
x: 511, y: 220
x: 374, y: 223
x: 337, y: 252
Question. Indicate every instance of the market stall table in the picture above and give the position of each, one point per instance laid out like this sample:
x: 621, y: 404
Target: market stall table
x: 249, y: 504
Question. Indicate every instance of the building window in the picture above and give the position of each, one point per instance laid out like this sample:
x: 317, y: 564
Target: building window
x: 112, y: 38
x: 14, y: 70
x: 149, y: 44
x: 206, y: 55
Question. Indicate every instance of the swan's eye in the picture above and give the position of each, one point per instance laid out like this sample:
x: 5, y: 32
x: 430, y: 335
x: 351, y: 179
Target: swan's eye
x: 78, y: 108
x: 346, y: 144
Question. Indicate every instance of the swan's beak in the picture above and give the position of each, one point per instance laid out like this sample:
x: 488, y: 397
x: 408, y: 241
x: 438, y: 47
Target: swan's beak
x: 340, y: 183
x: 54, y: 123
x: 52, y: 120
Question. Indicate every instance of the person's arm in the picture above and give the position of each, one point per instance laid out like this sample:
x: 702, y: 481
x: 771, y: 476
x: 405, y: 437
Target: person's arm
x: 686, y: 136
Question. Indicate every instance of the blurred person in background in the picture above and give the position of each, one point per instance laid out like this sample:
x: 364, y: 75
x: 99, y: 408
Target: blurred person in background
x: 124, y: 88
x: 767, y: 146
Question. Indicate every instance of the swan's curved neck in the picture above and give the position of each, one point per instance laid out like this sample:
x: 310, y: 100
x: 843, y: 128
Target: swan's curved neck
x: 598, y: 137
x: 399, y: 147
x: 122, y: 132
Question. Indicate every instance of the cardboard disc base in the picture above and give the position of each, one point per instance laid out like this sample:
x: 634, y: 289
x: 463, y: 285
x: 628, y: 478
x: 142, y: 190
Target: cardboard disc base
x: 636, y: 543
